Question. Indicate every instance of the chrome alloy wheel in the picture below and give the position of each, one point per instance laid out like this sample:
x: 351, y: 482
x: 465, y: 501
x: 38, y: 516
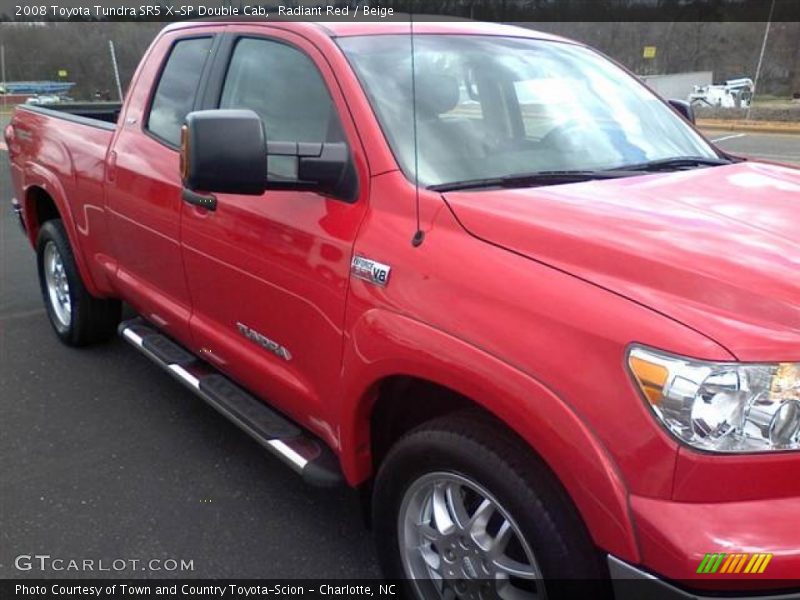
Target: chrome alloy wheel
x: 457, y: 541
x: 55, y: 277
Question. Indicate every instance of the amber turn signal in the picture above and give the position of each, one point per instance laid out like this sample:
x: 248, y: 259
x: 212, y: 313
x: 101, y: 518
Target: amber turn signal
x: 651, y: 378
x: 184, y: 164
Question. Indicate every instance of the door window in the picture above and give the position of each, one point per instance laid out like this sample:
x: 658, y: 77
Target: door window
x: 283, y: 86
x: 177, y: 88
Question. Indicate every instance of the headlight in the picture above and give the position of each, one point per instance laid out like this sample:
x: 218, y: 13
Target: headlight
x: 721, y: 407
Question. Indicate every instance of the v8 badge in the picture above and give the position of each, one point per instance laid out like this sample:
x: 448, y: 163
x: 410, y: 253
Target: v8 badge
x: 370, y: 270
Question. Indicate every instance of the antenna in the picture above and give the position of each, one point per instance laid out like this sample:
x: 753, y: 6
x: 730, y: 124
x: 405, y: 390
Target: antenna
x: 419, y: 235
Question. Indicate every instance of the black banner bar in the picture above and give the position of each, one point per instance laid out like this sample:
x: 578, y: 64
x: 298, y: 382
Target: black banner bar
x: 263, y: 589
x: 394, y: 10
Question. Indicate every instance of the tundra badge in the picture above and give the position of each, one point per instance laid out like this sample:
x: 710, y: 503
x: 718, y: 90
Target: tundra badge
x: 263, y: 341
x: 369, y: 270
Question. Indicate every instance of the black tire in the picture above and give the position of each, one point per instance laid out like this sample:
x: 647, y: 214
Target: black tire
x: 472, y: 445
x: 90, y: 320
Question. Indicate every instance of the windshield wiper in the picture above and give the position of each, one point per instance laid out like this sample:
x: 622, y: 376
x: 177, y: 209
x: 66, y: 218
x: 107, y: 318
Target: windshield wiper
x: 677, y: 163
x: 530, y: 179
x: 540, y: 178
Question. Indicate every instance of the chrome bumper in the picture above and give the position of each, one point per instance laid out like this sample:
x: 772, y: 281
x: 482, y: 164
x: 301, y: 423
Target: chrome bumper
x: 631, y: 583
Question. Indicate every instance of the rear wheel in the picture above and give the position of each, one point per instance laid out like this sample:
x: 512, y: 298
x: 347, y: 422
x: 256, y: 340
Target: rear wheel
x: 463, y: 509
x: 77, y: 317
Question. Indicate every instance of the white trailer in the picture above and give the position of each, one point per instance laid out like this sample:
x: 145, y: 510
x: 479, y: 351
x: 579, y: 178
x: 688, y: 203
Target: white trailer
x: 734, y: 93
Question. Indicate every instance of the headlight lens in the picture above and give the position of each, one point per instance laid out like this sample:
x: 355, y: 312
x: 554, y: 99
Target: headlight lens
x: 721, y: 407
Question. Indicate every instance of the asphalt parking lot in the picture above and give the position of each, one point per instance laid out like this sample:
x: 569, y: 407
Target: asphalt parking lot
x: 104, y: 457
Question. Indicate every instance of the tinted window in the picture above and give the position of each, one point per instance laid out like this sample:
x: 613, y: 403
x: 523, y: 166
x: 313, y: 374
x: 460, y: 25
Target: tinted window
x: 283, y: 86
x: 176, y: 90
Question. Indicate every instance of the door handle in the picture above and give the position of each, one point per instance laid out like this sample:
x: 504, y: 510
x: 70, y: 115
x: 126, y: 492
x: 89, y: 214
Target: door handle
x: 111, y: 167
x: 207, y: 201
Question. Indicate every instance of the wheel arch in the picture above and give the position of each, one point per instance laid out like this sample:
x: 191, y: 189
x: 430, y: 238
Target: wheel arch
x: 397, y: 355
x: 44, y: 198
x: 39, y: 208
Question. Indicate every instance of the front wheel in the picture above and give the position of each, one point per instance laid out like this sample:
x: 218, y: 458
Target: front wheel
x: 77, y: 317
x: 463, y: 509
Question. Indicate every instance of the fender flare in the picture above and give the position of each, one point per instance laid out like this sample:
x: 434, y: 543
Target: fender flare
x: 38, y: 176
x: 384, y: 344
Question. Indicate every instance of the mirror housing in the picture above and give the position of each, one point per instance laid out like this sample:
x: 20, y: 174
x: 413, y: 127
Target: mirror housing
x: 685, y: 109
x: 224, y: 151
x: 320, y: 167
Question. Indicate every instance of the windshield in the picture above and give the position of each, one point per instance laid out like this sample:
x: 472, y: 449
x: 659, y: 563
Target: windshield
x: 491, y: 106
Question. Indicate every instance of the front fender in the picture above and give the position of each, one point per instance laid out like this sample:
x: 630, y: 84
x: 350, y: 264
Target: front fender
x: 383, y: 344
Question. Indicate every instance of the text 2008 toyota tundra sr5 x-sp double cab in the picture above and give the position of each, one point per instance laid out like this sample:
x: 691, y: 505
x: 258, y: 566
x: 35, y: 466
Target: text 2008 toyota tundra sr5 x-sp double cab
x: 550, y: 330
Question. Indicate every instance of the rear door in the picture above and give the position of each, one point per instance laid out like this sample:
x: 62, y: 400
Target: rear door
x: 143, y: 191
x: 269, y: 274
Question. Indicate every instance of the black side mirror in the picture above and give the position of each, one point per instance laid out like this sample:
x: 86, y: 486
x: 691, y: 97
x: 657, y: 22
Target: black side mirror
x: 322, y: 167
x: 224, y: 151
x: 685, y: 109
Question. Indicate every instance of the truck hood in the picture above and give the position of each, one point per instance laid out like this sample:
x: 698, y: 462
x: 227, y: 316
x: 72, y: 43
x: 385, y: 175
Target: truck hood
x: 717, y: 249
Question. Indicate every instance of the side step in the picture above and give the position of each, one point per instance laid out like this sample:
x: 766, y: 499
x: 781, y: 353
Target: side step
x: 306, y: 454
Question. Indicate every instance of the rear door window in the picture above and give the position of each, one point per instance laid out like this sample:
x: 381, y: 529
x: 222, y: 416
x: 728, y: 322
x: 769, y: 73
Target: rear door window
x: 177, y: 88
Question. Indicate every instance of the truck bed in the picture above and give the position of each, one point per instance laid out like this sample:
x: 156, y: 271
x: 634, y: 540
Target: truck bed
x: 98, y: 114
x: 68, y: 147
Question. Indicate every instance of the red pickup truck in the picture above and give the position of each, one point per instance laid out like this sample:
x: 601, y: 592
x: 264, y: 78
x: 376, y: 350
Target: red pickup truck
x: 481, y: 273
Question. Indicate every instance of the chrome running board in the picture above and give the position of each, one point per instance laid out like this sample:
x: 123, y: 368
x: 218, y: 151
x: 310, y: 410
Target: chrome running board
x: 306, y: 454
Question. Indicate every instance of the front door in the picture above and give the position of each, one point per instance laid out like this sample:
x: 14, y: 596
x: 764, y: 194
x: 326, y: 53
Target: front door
x: 269, y: 274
